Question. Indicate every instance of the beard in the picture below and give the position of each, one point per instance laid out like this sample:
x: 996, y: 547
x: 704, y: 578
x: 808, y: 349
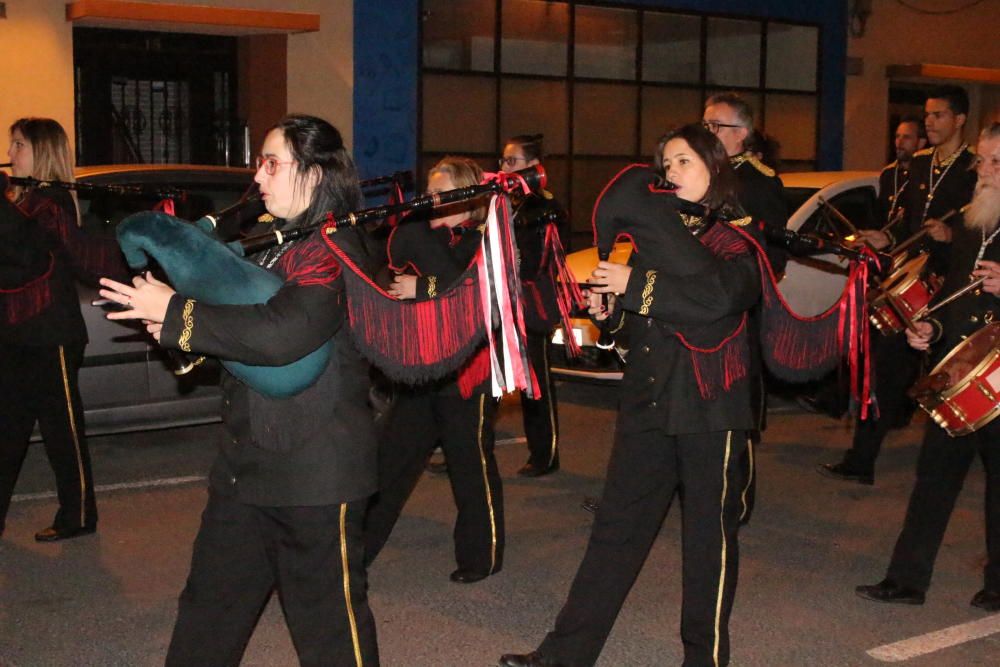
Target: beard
x: 983, y: 212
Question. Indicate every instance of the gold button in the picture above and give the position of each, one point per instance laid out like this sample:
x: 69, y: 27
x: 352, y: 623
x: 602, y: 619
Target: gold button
x: 973, y: 319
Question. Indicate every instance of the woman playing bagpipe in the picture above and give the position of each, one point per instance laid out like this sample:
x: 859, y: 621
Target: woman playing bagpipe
x: 458, y: 411
x: 288, y: 491
x: 685, y: 408
x: 42, y: 255
x: 539, y: 222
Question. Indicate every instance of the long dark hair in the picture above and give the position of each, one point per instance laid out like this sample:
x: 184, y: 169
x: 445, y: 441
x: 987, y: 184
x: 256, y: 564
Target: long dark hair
x: 317, y: 145
x: 721, y: 194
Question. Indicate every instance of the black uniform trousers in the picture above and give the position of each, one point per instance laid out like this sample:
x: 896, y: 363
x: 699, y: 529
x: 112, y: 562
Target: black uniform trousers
x: 418, y: 420
x: 312, y: 556
x: 941, y: 470
x: 645, y: 471
x: 897, y: 367
x: 541, y: 420
x: 39, y: 383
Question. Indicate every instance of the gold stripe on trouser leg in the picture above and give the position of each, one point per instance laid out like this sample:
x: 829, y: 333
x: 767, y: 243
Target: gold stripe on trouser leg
x: 722, y: 559
x: 743, y: 496
x: 76, y: 438
x: 486, y: 484
x: 551, y: 404
x: 347, y: 585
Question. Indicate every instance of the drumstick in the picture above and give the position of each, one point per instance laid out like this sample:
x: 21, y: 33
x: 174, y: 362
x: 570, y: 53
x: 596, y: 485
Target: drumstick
x: 840, y: 216
x: 958, y: 293
x: 895, y: 219
x: 924, y: 230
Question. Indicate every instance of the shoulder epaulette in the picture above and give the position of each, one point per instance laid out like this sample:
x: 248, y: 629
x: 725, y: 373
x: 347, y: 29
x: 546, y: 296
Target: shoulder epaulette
x: 891, y: 165
x: 546, y: 194
x: 924, y: 151
x: 741, y: 222
x: 760, y: 166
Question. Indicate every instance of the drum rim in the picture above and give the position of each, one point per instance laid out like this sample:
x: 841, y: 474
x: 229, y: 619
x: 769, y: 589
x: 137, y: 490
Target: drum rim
x: 914, y: 276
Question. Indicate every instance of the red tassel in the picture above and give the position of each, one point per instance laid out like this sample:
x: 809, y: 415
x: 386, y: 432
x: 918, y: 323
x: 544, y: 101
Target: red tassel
x: 569, y: 297
x: 165, y: 205
x: 22, y: 303
x: 411, y: 341
x: 721, y: 366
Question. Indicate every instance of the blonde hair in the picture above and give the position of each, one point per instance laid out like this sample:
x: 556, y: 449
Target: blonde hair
x: 50, y: 149
x: 463, y: 172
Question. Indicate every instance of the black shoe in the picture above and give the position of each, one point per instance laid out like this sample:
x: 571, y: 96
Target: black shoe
x: 590, y: 504
x: 53, y: 534
x: 842, y: 471
x: 529, y: 469
x: 987, y: 600
x: 533, y: 659
x: 889, y: 591
x: 461, y: 576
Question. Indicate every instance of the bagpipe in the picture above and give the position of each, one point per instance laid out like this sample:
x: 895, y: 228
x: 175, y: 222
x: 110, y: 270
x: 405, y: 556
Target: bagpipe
x: 148, y: 191
x: 642, y: 209
x: 392, y: 334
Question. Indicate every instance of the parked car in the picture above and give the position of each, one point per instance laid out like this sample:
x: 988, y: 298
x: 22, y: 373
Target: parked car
x: 810, y: 285
x: 126, y: 381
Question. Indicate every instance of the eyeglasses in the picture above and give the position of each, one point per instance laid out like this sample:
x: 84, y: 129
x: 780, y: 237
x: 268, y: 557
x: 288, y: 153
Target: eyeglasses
x: 511, y: 161
x: 270, y: 164
x: 714, y: 126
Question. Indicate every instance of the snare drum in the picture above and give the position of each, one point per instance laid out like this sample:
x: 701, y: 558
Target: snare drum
x: 905, y: 292
x: 962, y: 393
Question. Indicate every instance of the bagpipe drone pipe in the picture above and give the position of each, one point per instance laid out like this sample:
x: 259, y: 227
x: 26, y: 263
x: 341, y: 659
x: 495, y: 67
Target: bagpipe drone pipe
x: 684, y: 239
x: 389, y: 332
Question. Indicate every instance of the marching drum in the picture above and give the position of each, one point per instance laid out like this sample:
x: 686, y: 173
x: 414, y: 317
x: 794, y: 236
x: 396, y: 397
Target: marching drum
x: 903, y: 296
x: 962, y: 393
x: 812, y: 285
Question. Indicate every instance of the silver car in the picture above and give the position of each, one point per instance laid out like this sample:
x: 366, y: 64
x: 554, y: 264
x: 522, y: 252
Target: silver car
x: 126, y: 381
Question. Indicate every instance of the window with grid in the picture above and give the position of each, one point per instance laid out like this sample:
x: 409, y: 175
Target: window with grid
x: 602, y: 82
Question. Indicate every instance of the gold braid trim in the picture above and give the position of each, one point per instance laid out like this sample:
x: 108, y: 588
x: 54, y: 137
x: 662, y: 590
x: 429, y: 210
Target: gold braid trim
x: 690, y: 220
x: 647, y: 292
x: 188, y: 316
x: 752, y: 160
x: 432, y: 286
x: 741, y: 222
x: 621, y: 323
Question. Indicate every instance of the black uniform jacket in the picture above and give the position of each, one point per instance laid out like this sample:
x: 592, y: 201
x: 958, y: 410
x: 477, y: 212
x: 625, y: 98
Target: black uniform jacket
x: 438, y: 257
x: 967, y: 314
x: 663, y: 311
x: 893, y: 183
x: 533, y: 217
x: 761, y: 195
x: 954, y: 181
x: 314, y: 448
x: 43, y: 254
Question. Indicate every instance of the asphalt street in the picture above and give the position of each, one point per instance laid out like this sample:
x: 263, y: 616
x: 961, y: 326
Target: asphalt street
x: 110, y: 599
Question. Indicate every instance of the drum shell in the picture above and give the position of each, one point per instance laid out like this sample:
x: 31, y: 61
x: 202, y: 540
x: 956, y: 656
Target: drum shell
x: 973, y: 400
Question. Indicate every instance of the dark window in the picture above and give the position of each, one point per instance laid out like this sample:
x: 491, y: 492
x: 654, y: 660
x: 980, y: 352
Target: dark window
x: 602, y: 82
x: 154, y: 97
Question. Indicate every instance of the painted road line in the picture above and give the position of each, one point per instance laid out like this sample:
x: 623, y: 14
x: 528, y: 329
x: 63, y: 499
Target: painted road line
x: 937, y: 640
x: 144, y: 484
x: 174, y: 481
